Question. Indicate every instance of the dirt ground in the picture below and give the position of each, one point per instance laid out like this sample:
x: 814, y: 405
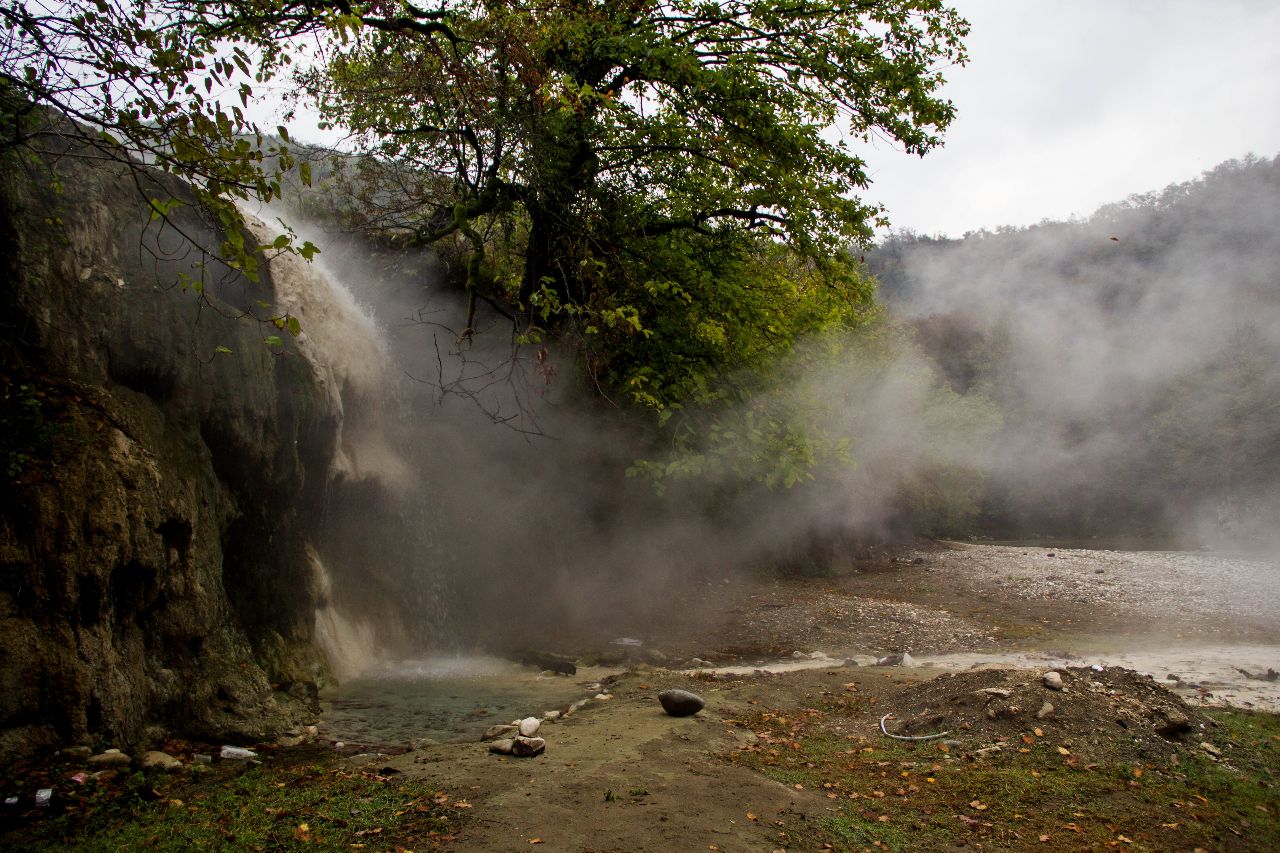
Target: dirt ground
x: 620, y: 775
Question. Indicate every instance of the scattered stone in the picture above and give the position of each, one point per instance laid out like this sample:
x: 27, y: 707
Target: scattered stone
x: 501, y: 747
x: 1053, y: 680
x: 239, y: 753
x: 499, y: 731
x: 995, y: 692
x: 550, y: 716
x: 201, y: 758
x: 1269, y: 675
x: 156, y: 760
x: 547, y: 660
x: 43, y: 796
x: 1211, y: 749
x: 1046, y: 711
x: 1170, y: 722
x: 110, y: 758
x: 701, y: 662
x: 577, y: 706
x: 290, y: 741
x: 312, y: 731
x: 681, y: 703
x: 529, y: 726
x: 903, y: 659
x: 76, y: 751
x: 527, y: 747
x: 603, y: 697
x: 10, y: 801
x: 1172, y: 677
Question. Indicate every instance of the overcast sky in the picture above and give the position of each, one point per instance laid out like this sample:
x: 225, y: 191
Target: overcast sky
x: 1066, y: 105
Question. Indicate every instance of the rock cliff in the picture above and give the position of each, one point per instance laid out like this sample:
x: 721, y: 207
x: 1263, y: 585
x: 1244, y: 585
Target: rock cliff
x: 160, y: 464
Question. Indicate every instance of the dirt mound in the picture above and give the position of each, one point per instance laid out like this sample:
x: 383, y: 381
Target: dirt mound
x: 1114, y: 712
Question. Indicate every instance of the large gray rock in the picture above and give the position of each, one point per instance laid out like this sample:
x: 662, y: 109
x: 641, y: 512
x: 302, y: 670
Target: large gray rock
x: 681, y: 703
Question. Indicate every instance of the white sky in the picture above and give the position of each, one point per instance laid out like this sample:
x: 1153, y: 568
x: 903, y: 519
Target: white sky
x: 1067, y: 105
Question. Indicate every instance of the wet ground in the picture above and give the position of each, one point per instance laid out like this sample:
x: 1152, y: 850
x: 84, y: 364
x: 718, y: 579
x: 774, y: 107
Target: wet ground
x: 1209, y: 621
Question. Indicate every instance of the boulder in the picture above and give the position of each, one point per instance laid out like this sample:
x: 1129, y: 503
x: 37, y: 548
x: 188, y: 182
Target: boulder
x: 527, y: 747
x: 110, y: 758
x: 158, y: 761
x: 529, y: 726
x: 499, y: 731
x: 1053, y: 680
x: 681, y: 703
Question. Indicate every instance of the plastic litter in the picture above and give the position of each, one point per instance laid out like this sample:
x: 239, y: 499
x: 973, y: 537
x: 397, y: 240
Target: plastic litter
x: 237, y: 753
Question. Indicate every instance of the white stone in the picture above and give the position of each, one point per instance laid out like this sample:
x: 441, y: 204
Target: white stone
x: 529, y: 726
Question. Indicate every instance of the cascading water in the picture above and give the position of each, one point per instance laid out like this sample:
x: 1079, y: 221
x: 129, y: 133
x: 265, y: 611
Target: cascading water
x: 373, y: 486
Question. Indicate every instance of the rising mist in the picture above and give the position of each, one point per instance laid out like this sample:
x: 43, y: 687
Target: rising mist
x: 1133, y: 355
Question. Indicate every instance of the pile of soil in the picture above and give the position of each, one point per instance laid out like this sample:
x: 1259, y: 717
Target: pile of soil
x: 1114, y: 712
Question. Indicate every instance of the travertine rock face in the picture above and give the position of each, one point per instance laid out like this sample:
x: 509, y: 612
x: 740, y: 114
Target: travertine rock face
x: 157, y: 490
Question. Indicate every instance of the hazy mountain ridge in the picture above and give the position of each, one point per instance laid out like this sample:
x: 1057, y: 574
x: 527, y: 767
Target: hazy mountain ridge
x: 1133, y: 354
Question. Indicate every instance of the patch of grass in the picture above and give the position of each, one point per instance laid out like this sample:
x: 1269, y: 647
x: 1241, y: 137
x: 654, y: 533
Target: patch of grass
x: 1030, y: 795
x: 261, y: 808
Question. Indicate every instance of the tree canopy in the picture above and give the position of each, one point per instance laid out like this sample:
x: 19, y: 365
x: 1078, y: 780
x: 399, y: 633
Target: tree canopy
x: 671, y: 187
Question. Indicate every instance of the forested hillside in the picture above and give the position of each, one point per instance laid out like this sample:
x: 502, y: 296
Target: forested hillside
x: 1133, y: 355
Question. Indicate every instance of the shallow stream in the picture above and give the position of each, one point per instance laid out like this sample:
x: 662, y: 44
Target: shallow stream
x: 444, y: 699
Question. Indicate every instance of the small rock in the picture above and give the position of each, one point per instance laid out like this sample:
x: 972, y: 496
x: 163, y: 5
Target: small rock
x: 994, y: 691
x: 1172, y: 677
x: 550, y: 716
x: 529, y: 726
x: 43, y: 796
x: 499, y: 731
x: 1211, y: 749
x: 105, y: 776
x: 238, y: 753
x: 681, y: 703
x: 1053, y: 680
x: 158, y: 760
x: 201, y: 758
x: 603, y: 697
x: 501, y: 747
x: 527, y: 747
x: 700, y: 662
x: 110, y: 758
x: 577, y: 706
x: 1171, y: 722
x: 77, y: 751
x: 289, y: 741
x: 1046, y: 711
x: 10, y: 801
